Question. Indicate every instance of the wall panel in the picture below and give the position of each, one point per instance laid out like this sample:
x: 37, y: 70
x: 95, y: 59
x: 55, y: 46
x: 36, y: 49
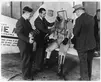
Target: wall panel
x: 6, y: 9
x: 16, y: 10
x: 90, y: 7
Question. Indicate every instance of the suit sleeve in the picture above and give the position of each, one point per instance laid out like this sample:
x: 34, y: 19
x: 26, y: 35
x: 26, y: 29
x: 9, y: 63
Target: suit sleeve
x: 77, y: 27
x: 19, y: 31
x: 38, y: 25
x: 47, y: 23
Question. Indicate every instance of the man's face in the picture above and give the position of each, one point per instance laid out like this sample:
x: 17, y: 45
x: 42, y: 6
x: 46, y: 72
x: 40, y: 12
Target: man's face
x: 77, y: 13
x: 98, y: 15
x: 29, y: 15
x: 43, y: 14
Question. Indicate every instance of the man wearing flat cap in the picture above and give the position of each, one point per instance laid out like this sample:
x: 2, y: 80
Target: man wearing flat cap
x: 25, y: 43
x: 85, y: 41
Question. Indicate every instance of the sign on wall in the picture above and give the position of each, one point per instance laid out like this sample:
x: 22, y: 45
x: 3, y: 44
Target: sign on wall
x: 8, y: 37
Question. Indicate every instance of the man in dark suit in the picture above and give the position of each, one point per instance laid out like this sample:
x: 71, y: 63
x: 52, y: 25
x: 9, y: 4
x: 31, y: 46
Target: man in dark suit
x: 23, y: 28
x: 85, y: 41
x: 42, y: 25
x: 97, y: 33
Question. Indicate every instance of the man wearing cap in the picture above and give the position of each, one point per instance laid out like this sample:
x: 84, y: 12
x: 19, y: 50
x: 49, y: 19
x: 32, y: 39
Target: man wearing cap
x: 23, y: 28
x: 42, y: 25
x: 85, y: 41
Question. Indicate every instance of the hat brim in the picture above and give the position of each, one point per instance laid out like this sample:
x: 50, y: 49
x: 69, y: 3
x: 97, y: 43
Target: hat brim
x: 29, y: 11
x: 78, y: 9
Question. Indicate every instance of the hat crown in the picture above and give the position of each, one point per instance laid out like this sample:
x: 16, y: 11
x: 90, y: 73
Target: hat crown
x: 26, y: 8
x: 78, y: 6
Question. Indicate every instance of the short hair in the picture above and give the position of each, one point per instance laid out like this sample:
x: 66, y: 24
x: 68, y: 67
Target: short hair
x: 98, y: 10
x: 27, y: 9
x: 41, y: 9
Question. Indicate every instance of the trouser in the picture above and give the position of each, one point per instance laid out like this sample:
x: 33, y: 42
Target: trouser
x: 97, y: 46
x: 85, y: 64
x: 27, y: 57
x: 39, y: 58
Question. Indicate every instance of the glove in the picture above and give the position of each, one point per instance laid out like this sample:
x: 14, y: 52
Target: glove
x: 65, y: 41
x: 58, y: 18
x: 35, y: 32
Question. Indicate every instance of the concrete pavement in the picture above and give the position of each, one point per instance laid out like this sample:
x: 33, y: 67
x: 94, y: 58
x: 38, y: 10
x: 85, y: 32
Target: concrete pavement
x: 10, y: 66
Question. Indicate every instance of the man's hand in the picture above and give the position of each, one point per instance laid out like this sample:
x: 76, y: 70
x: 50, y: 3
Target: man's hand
x: 30, y: 34
x: 31, y: 40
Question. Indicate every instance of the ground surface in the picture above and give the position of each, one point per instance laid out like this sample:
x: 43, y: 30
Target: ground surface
x: 10, y: 66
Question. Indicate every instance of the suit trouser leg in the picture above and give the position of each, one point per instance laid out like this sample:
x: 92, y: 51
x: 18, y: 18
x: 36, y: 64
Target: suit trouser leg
x: 83, y: 65
x: 39, y: 58
x: 26, y: 63
x: 89, y: 60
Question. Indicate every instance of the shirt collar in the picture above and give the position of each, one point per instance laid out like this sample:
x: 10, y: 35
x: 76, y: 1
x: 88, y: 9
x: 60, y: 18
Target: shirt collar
x: 40, y: 17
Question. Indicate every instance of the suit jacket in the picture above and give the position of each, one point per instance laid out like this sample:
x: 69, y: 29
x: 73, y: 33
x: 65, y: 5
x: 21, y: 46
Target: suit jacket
x: 23, y: 28
x: 42, y: 26
x: 96, y: 28
x: 84, y: 33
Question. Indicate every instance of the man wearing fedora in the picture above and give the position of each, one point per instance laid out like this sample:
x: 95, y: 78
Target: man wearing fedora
x: 85, y: 41
x: 23, y: 29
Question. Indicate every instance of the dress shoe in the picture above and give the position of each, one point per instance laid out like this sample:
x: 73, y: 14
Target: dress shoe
x: 59, y: 74
x: 96, y: 54
x: 46, y: 61
x: 32, y: 78
x: 62, y: 76
x: 46, y: 64
x: 28, y: 79
x: 81, y: 79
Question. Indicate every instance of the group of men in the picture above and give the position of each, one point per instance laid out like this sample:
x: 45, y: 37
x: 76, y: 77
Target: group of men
x: 33, y: 61
x: 25, y: 42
